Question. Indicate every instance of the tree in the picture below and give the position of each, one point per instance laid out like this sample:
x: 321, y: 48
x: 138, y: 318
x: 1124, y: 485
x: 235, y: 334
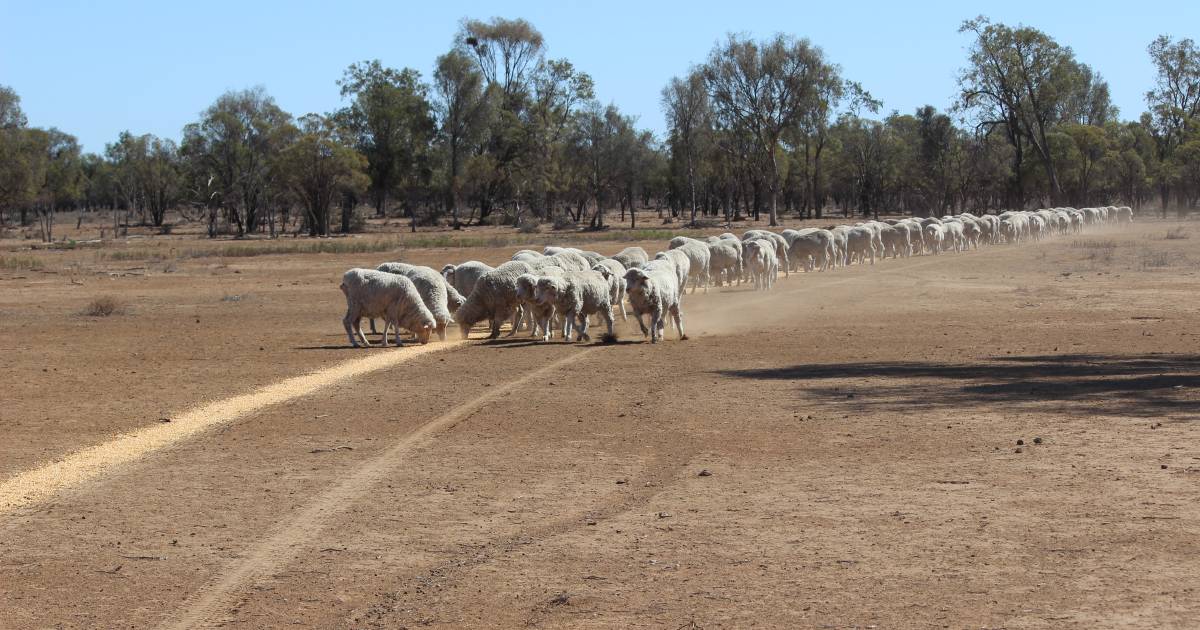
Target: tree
x: 234, y: 145
x: 463, y: 107
x: 59, y: 175
x: 1022, y: 80
x: 16, y: 182
x: 685, y: 102
x: 505, y: 50
x: 766, y: 88
x: 1174, y: 103
x: 391, y: 119
x: 318, y: 168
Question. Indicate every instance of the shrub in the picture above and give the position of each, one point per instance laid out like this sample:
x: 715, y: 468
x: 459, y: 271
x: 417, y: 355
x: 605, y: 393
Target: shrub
x: 104, y: 306
x: 564, y: 221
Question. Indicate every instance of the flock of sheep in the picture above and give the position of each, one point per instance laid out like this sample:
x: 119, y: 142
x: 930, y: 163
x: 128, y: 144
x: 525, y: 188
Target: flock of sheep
x: 559, y: 288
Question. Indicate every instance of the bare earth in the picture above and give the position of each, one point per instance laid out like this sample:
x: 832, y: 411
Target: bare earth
x: 857, y: 432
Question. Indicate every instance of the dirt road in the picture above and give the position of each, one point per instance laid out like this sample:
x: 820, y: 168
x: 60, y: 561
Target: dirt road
x: 842, y: 452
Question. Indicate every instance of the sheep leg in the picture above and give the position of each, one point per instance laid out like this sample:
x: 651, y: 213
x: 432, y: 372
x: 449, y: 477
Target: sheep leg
x: 496, y: 323
x: 583, y: 326
x: 516, y: 320
x: 655, y: 325
x: 441, y: 331
x: 350, y: 322
x: 678, y: 320
x: 568, y: 325
x: 642, y: 323
x: 609, y: 320
x: 373, y: 331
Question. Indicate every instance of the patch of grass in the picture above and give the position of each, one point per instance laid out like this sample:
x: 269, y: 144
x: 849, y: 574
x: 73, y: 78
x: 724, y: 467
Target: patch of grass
x: 1178, y: 233
x: 1154, y: 259
x: 23, y: 263
x: 1096, y: 250
x: 104, y: 306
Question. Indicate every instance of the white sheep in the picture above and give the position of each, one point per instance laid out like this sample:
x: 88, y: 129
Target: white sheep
x: 682, y: 264
x: 371, y: 293
x: 781, y: 245
x: 614, y: 274
x: 761, y: 262
x: 439, y: 297
x: 576, y: 295
x: 653, y: 290
x: 541, y: 314
x: 860, y: 244
x: 464, y: 276
x: 811, y: 248
x: 724, y: 257
x: 631, y: 257
x: 699, y: 259
x: 494, y: 299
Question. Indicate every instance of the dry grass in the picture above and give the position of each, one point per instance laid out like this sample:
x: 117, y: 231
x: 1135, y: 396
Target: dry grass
x: 1096, y: 250
x: 104, y: 306
x: 1154, y: 259
x: 22, y: 263
x: 1177, y: 233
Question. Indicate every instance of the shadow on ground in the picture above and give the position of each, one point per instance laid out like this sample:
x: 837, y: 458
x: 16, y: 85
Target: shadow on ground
x: 1154, y: 385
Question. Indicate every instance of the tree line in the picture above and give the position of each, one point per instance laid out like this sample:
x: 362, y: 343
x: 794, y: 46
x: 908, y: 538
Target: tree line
x: 502, y: 132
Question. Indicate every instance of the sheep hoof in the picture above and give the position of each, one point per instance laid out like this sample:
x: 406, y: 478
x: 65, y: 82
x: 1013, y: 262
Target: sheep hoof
x: 608, y: 338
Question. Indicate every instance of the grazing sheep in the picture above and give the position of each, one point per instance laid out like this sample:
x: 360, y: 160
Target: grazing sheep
x: 463, y: 277
x: 371, y: 293
x: 761, y: 263
x: 439, y: 297
x: 494, y: 299
x: 895, y: 241
x: 576, y: 295
x: 614, y: 273
x: 1124, y: 214
x: 631, y: 257
x: 935, y: 235
x: 699, y: 259
x: 653, y: 290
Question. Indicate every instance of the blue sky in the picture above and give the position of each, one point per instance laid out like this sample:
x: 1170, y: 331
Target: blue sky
x: 97, y: 68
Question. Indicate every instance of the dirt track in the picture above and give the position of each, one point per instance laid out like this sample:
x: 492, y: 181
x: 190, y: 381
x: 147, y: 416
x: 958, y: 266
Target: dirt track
x: 860, y: 428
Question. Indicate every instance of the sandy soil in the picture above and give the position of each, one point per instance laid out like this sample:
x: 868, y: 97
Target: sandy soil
x: 841, y: 452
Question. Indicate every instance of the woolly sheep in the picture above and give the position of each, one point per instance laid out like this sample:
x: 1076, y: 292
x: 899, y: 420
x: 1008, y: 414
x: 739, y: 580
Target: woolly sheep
x: 435, y: 292
x: 614, y: 274
x: 761, y: 262
x: 699, y: 259
x: 494, y: 298
x: 813, y: 249
x: 860, y: 244
x: 576, y: 295
x: 781, y: 245
x: 540, y: 315
x: 464, y: 276
x: 654, y: 290
x: 724, y: 258
x: 631, y: 257
x: 682, y: 264
x: 371, y: 293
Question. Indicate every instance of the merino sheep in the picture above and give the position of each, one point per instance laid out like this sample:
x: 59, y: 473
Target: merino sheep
x: 576, y: 295
x: 761, y: 263
x: 371, y: 293
x: 541, y: 315
x: 494, y: 299
x: 781, y: 245
x: 699, y: 259
x: 653, y: 290
x: 464, y: 276
x: 860, y: 244
x: 614, y: 274
x: 682, y: 263
x: 439, y: 297
x: 812, y: 248
x: 724, y: 257
x: 631, y: 257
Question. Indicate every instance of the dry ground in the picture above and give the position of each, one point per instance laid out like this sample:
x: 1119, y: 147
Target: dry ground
x: 858, y: 428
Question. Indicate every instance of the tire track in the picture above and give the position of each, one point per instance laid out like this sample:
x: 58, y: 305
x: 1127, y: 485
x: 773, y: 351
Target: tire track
x: 34, y: 486
x: 288, y: 540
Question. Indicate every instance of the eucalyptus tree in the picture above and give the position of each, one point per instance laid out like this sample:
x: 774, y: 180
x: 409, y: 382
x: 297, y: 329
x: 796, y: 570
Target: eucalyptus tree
x: 464, y: 106
x: 766, y: 87
x: 319, y: 167
x: 1174, y: 103
x: 685, y: 101
x: 393, y: 125
x: 233, y: 147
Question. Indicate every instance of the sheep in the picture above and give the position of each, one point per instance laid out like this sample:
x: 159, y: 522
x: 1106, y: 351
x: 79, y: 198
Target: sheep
x: 568, y: 260
x: 439, y: 297
x: 494, y: 299
x: 1124, y: 214
x: 614, y: 274
x: 724, y: 257
x: 935, y: 235
x: 812, y: 248
x: 955, y: 235
x: 654, y: 290
x: 895, y: 241
x: 631, y: 257
x: 576, y: 295
x: 841, y: 245
x: 371, y: 293
x: 781, y: 245
x: 464, y: 276
x: 699, y: 259
x: 683, y: 266
x: 540, y: 314
x: 761, y: 263
x: 860, y: 243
